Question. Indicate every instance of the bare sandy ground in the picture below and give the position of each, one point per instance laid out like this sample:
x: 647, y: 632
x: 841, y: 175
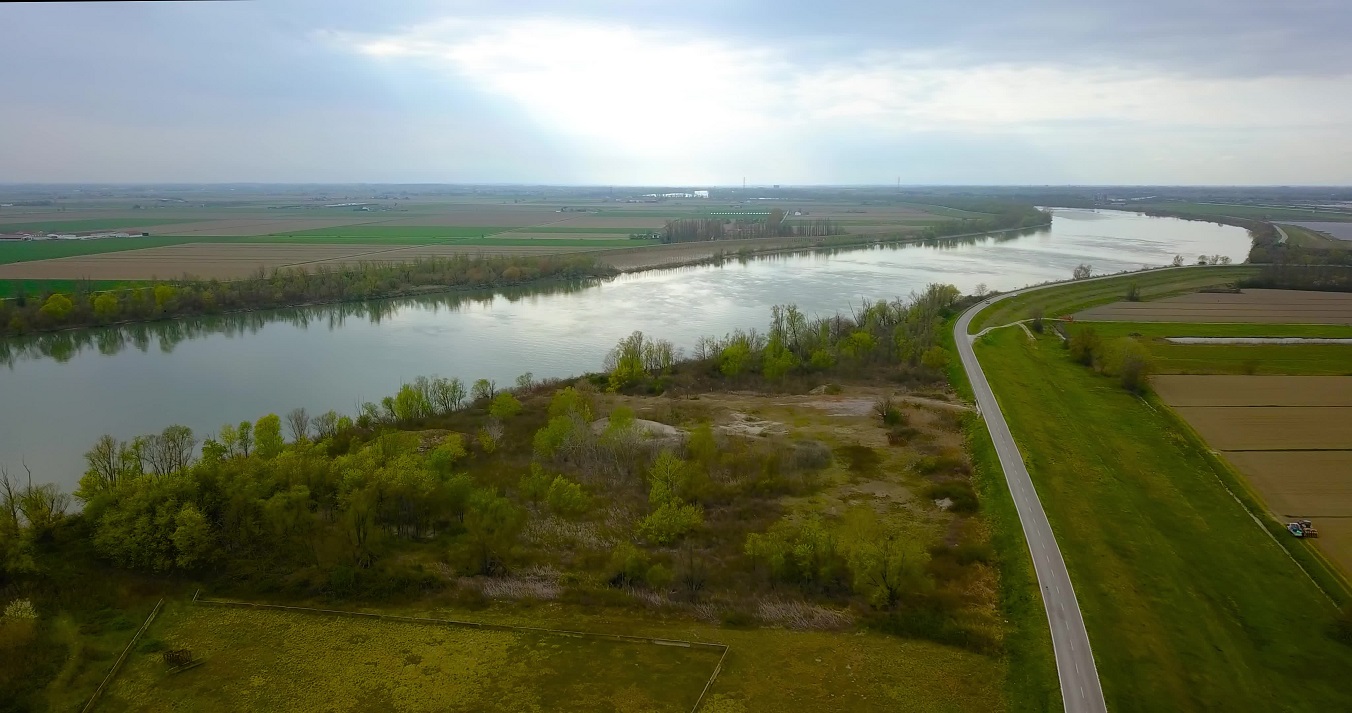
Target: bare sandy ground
x: 1263, y: 306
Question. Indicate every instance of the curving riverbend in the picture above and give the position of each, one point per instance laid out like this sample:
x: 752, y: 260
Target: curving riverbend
x: 59, y: 392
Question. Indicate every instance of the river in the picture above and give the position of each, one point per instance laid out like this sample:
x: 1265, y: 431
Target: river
x: 58, y: 393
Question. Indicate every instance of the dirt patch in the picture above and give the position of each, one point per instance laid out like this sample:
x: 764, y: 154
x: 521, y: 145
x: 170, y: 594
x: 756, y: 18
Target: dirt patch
x: 1260, y: 306
x: 740, y: 424
x: 649, y: 429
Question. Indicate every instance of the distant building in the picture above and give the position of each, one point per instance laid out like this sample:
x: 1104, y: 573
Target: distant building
x: 701, y: 194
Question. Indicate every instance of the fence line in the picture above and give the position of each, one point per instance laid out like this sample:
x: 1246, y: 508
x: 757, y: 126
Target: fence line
x: 117, y: 665
x: 723, y: 648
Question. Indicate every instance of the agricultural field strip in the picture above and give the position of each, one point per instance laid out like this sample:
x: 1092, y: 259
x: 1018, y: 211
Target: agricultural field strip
x: 1276, y: 306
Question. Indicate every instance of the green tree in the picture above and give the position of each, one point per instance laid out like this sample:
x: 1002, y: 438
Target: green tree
x: 734, y: 359
x: 268, y: 436
x: 492, y: 527
x: 935, y: 358
x: 670, y: 522
x: 192, y: 538
x: 483, y: 390
x: 504, y: 406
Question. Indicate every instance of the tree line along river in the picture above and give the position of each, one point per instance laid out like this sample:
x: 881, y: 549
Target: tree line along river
x: 59, y: 392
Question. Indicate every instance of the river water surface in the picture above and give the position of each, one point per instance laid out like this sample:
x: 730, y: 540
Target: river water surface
x: 58, y: 393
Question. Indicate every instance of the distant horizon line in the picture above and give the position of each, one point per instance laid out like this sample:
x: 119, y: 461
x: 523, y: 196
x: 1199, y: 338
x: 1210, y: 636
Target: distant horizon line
x: 498, y: 184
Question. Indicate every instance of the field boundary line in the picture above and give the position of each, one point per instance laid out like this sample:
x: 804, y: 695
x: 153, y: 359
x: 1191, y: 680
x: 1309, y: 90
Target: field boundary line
x: 117, y: 665
x: 197, y: 599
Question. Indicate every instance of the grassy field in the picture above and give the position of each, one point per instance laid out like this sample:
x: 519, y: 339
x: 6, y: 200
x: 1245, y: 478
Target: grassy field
x: 270, y: 660
x: 275, y: 660
x: 10, y: 288
x: 1190, y: 605
x: 24, y: 251
x: 1077, y: 296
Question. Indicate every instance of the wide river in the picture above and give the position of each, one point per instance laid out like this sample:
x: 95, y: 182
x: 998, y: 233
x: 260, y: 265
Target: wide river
x: 58, y: 393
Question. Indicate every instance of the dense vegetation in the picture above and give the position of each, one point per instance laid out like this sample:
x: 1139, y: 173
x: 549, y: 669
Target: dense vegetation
x: 773, y: 225
x: 282, y: 288
x: 551, y: 490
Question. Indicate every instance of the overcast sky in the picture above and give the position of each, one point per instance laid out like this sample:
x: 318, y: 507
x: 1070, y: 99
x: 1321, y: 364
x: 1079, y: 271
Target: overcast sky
x: 679, y: 93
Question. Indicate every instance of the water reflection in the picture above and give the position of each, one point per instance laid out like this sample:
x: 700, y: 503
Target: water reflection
x: 166, y: 335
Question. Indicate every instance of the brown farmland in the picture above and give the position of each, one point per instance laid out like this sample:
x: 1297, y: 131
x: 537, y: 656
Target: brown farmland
x: 1290, y: 437
x: 1264, y: 306
x: 1227, y: 390
x: 1266, y: 428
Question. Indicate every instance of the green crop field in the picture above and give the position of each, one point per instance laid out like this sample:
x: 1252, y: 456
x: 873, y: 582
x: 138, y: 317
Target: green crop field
x: 10, y: 288
x: 24, y: 251
x: 278, y: 660
x: 1189, y: 603
x: 1076, y: 296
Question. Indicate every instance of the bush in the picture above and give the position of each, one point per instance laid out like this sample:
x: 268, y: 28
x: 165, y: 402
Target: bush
x: 1084, y: 345
x: 566, y: 497
x: 670, y: 522
x: 887, y: 409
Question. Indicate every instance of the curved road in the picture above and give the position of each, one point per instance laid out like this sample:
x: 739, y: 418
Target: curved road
x: 1080, y: 687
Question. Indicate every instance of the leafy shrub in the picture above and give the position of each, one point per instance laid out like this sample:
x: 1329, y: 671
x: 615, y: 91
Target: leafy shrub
x: 670, y: 522
x: 566, y: 497
x: 859, y: 459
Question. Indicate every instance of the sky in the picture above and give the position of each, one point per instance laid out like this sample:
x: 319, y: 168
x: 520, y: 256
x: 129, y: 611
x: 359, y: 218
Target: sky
x: 700, y: 92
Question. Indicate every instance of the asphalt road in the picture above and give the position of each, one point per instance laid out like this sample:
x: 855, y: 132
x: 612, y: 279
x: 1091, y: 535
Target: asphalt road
x: 1080, y: 687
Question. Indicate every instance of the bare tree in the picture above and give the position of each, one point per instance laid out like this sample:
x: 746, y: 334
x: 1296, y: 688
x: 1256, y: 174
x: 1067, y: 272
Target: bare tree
x: 105, y: 463
x: 981, y: 290
x: 298, y: 423
x: 326, y: 424
x: 1178, y: 261
x: 1082, y: 271
x: 169, y: 452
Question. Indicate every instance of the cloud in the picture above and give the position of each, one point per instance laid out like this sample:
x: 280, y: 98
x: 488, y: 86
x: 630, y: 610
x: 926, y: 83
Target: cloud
x: 704, y: 91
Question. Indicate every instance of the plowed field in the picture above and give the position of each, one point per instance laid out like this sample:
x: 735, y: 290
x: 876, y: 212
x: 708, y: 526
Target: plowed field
x: 1290, y: 436
x: 1266, y: 306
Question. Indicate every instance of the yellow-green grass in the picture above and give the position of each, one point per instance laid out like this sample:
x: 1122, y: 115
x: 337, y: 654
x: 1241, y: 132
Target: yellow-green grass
x: 1030, y: 682
x: 1306, y: 238
x: 1075, y: 296
x: 259, y: 659
x: 1190, y: 604
x: 279, y: 660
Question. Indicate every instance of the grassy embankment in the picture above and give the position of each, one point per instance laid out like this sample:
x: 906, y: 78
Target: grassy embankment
x: 1306, y: 238
x: 1190, y: 605
x: 1254, y: 212
x: 1075, y: 296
